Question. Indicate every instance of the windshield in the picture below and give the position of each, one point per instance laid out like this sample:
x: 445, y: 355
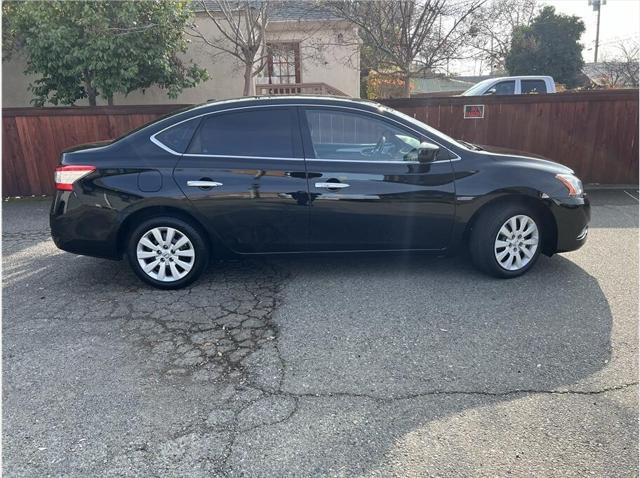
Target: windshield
x: 478, y: 89
x: 433, y: 131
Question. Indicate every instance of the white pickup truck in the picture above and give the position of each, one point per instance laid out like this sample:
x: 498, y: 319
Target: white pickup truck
x: 513, y: 85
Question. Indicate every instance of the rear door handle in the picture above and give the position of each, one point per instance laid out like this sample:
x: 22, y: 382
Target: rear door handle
x: 332, y: 185
x: 203, y: 184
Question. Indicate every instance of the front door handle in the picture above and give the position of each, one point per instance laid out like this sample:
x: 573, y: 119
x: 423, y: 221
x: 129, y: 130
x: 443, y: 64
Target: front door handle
x: 203, y: 184
x: 332, y: 185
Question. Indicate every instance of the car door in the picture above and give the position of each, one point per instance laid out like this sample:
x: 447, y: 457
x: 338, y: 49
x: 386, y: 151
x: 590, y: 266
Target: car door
x: 244, y: 172
x: 368, y: 191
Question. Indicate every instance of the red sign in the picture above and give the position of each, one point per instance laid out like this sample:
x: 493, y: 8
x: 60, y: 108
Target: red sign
x: 473, y: 111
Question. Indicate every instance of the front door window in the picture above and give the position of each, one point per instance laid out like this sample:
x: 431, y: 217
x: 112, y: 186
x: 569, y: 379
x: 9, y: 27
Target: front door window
x: 503, y: 88
x: 356, y: 137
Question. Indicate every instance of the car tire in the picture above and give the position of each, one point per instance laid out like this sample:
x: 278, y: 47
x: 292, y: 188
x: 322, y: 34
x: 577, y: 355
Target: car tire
x: 167, y: 252
x: 502, y: 240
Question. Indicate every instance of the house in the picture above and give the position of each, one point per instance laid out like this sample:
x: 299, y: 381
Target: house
x: 309, y: 51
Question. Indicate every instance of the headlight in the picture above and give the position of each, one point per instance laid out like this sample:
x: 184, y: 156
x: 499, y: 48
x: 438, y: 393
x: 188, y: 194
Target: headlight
x: 573, y: 184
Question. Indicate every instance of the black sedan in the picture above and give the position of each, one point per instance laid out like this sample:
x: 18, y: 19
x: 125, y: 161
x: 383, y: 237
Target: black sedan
x: 282, y: 175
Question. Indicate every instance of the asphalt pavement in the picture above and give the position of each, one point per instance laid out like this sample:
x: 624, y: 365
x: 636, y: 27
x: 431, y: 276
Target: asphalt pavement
x: 341, y: 366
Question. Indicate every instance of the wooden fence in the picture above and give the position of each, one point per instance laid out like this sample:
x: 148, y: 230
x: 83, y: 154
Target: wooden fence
x: 595, y: 133
x: 32, y: 139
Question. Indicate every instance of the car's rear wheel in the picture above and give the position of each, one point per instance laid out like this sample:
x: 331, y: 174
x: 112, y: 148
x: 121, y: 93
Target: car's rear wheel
x: 167, y: 252
x: 506, y: 240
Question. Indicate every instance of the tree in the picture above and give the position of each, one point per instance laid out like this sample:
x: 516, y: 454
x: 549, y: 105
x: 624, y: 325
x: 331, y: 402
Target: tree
x: 409, y: 37
x: 241, y: 31
x: 242, y: 26
x: 87, y: 49
x: 493, y: 25
x: 620, y: 69
x: 383, y: 86
x: 549, y: 46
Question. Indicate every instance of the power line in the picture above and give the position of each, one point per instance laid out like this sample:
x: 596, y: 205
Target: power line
x: 619, y: 39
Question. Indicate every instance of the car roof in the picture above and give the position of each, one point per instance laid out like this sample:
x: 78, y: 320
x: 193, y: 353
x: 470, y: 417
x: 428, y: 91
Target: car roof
x: 519, y: 77
x: 285, y: 99
x: 192, y: 112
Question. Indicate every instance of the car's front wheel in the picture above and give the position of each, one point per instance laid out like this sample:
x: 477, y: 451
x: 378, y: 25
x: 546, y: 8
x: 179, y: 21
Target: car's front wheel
x: 167, y: 252
x: 505, y: 241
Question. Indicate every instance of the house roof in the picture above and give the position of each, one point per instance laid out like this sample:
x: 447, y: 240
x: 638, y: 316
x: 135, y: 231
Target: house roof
x: 476, y: 79
x: 280, y: 11
x: 429, y: 85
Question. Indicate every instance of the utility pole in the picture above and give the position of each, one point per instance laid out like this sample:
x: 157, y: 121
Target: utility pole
x: 596, y: 8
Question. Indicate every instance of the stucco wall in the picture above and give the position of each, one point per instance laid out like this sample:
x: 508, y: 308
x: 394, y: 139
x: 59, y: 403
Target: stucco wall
x: 329, y: 54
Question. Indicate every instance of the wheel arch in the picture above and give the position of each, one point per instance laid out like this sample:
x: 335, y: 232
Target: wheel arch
x: 136, y: 217
x: 549, y: 225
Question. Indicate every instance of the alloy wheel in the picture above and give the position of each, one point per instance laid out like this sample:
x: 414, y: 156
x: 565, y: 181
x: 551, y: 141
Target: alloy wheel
x: 516, y: 242
x: 165, y: 254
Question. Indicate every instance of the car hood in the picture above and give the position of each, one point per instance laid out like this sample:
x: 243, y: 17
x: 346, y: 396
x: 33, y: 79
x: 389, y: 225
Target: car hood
x: 507, y: 154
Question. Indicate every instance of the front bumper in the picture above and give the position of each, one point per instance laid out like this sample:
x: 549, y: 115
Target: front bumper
x: 572, y: 216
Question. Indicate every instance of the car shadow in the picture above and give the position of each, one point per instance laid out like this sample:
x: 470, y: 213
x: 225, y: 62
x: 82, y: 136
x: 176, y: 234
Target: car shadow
x: 447, y: 319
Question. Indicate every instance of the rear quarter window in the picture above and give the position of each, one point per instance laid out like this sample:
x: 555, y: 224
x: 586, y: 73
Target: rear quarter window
x: 178, y: 137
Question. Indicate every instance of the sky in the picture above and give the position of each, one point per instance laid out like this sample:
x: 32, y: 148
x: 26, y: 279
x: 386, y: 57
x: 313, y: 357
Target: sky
x: 619, y: 20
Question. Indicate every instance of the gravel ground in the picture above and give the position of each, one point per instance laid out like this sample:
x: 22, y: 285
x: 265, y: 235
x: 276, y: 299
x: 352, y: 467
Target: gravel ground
x: 356, y: 366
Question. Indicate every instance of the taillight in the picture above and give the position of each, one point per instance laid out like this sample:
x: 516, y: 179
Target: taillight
x: 67, y: 175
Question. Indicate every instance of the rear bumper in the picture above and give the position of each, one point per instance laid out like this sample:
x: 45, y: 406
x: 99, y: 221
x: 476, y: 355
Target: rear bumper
x: 572, y: 216
x: 83, y: 228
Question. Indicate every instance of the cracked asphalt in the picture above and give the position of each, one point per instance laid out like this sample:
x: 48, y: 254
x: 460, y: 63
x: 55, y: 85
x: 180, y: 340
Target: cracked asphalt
x: 360, y: 366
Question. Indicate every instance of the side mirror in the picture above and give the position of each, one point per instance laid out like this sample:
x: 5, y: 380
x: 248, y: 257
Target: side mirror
x: 427, y: 152
x: 490, y: 91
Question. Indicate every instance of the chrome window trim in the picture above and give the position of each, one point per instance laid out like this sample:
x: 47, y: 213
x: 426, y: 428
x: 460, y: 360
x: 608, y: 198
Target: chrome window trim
x: 162, y: 145
x: 231, y: 156
x: 223, y: 156
x: 157, y: 142
x: 321, y: 160
x: 380, y: 162
x: 356, y: 161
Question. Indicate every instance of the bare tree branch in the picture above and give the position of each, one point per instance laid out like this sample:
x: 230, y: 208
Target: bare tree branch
x: 493, y: 25
x: 243, y: 28
x: 621, y: 69
x: 406, y: 37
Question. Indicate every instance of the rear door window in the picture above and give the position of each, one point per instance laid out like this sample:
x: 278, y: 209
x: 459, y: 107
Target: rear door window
x: 533, y: 87
x: 265, y: 132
